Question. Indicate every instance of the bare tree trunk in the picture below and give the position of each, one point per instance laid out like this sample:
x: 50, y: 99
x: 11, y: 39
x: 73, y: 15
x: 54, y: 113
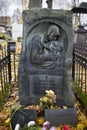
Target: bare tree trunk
x: 35, y: 3
x: 49, y: 2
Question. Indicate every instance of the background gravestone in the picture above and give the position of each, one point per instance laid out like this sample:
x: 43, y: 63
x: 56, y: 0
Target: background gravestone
x: 35, y: 3
x: 46, y: 56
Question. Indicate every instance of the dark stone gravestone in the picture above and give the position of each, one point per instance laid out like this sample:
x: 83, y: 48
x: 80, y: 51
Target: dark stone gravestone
x: 61, y: 116
x: 11, y: 46
x: 35, y: 4
x: 22, y: 117
x: 46, y: 56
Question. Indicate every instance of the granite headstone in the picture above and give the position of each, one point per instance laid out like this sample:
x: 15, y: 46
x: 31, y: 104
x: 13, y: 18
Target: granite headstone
x: 61, y: 116
x: 46, y: 56
x: 23, y: 116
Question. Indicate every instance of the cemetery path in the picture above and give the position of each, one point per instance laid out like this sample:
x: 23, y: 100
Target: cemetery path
x: 13, y: 103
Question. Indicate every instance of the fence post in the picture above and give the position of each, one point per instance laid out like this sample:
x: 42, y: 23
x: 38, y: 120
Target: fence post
x: 9, y: 63
x: 73, y: 65
x: 10, y: 49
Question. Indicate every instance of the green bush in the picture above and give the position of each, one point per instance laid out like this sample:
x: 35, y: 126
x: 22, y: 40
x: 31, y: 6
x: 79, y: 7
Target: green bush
x: 4, y: 96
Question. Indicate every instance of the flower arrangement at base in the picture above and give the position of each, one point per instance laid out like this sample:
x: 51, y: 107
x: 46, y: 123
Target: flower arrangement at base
x: 47, y: 100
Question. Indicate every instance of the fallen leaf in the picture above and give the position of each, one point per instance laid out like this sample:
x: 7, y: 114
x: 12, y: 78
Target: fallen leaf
x: 7, y: 121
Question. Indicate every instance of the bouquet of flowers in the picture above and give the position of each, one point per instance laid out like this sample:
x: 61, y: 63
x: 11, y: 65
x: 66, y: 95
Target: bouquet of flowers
x: 47, y: 100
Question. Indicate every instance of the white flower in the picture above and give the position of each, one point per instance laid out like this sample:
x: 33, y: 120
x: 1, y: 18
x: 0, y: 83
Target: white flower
x: 50, y: 92
x: 31, y: 123
x: 17, y: 127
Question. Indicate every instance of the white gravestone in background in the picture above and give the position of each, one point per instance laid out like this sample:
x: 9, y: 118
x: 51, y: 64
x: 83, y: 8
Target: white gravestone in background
x: 16, y: 31
x: 62, y: 4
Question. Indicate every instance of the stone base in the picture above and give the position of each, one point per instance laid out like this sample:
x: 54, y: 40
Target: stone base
x: 61, y: 116
x: 23, y: 116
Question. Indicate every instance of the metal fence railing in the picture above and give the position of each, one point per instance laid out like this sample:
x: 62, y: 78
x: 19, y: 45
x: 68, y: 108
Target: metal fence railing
x: 4, y: 77
x: 14, y: 58
x: 8, y: 70
x: 80, y: 66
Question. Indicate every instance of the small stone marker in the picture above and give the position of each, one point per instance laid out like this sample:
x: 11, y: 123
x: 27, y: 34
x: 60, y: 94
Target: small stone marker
x: 22, y: 117
x: 61, y: 116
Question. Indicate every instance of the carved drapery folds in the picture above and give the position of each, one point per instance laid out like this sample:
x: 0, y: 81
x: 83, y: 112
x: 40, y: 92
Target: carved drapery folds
x: 46, y: 57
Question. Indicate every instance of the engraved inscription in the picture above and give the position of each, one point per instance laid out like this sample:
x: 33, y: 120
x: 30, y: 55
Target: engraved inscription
x: 40, y: 83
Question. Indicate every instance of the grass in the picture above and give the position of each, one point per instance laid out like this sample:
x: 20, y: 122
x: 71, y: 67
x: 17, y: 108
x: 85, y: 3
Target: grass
x: 4, y: 95
x: 81, y: 95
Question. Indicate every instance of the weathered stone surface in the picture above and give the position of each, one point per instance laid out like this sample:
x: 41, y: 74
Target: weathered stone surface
x: 22, y: 117
x: 61, y: 116
x: 35, y: 3
x: 46, y: 57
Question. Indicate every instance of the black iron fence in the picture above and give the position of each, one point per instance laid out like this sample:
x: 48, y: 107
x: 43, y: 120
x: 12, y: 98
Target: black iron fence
x: 4, y: 77
x: 4, y: 74
x: 9, y: 60
x: 80, y: 67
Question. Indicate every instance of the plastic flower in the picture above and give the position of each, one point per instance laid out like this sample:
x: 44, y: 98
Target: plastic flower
x: 50, y: 92
x: 46, y: 124
x: 58, y: 128
x: 31, y: 123
x: 80, y: 126
x: 17, y: 127
x: 48, y: 99
x: 40, y: 121
x: 51, y: 95
x: 66, y: 127
x: 44, y: 128
x: 53, y: 128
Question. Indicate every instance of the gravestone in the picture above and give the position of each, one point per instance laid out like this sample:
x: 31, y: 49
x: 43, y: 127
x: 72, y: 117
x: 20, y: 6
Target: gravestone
x: 35, y: 3
x: 23, y: 116
x: 46, y: 56
x: 61, y: 116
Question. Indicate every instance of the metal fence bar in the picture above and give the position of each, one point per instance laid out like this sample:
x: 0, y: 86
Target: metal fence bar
x: 4, y: 75
x: 80, y: 66
x: 8, y: 68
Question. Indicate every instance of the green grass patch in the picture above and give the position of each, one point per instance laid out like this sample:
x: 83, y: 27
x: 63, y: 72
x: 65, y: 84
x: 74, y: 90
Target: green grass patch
x: 4, y: 95
x: 81, y: 94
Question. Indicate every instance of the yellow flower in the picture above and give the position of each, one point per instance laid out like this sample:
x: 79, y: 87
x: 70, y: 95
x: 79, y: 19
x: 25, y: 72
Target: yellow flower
x: 80, y: 127
x: 45, y: 99
x: 40, y: 121
x: 83, y: 119
x: 58, y: 128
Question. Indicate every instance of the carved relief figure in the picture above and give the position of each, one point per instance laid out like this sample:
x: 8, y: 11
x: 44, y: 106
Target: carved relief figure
x: 48, y: 53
